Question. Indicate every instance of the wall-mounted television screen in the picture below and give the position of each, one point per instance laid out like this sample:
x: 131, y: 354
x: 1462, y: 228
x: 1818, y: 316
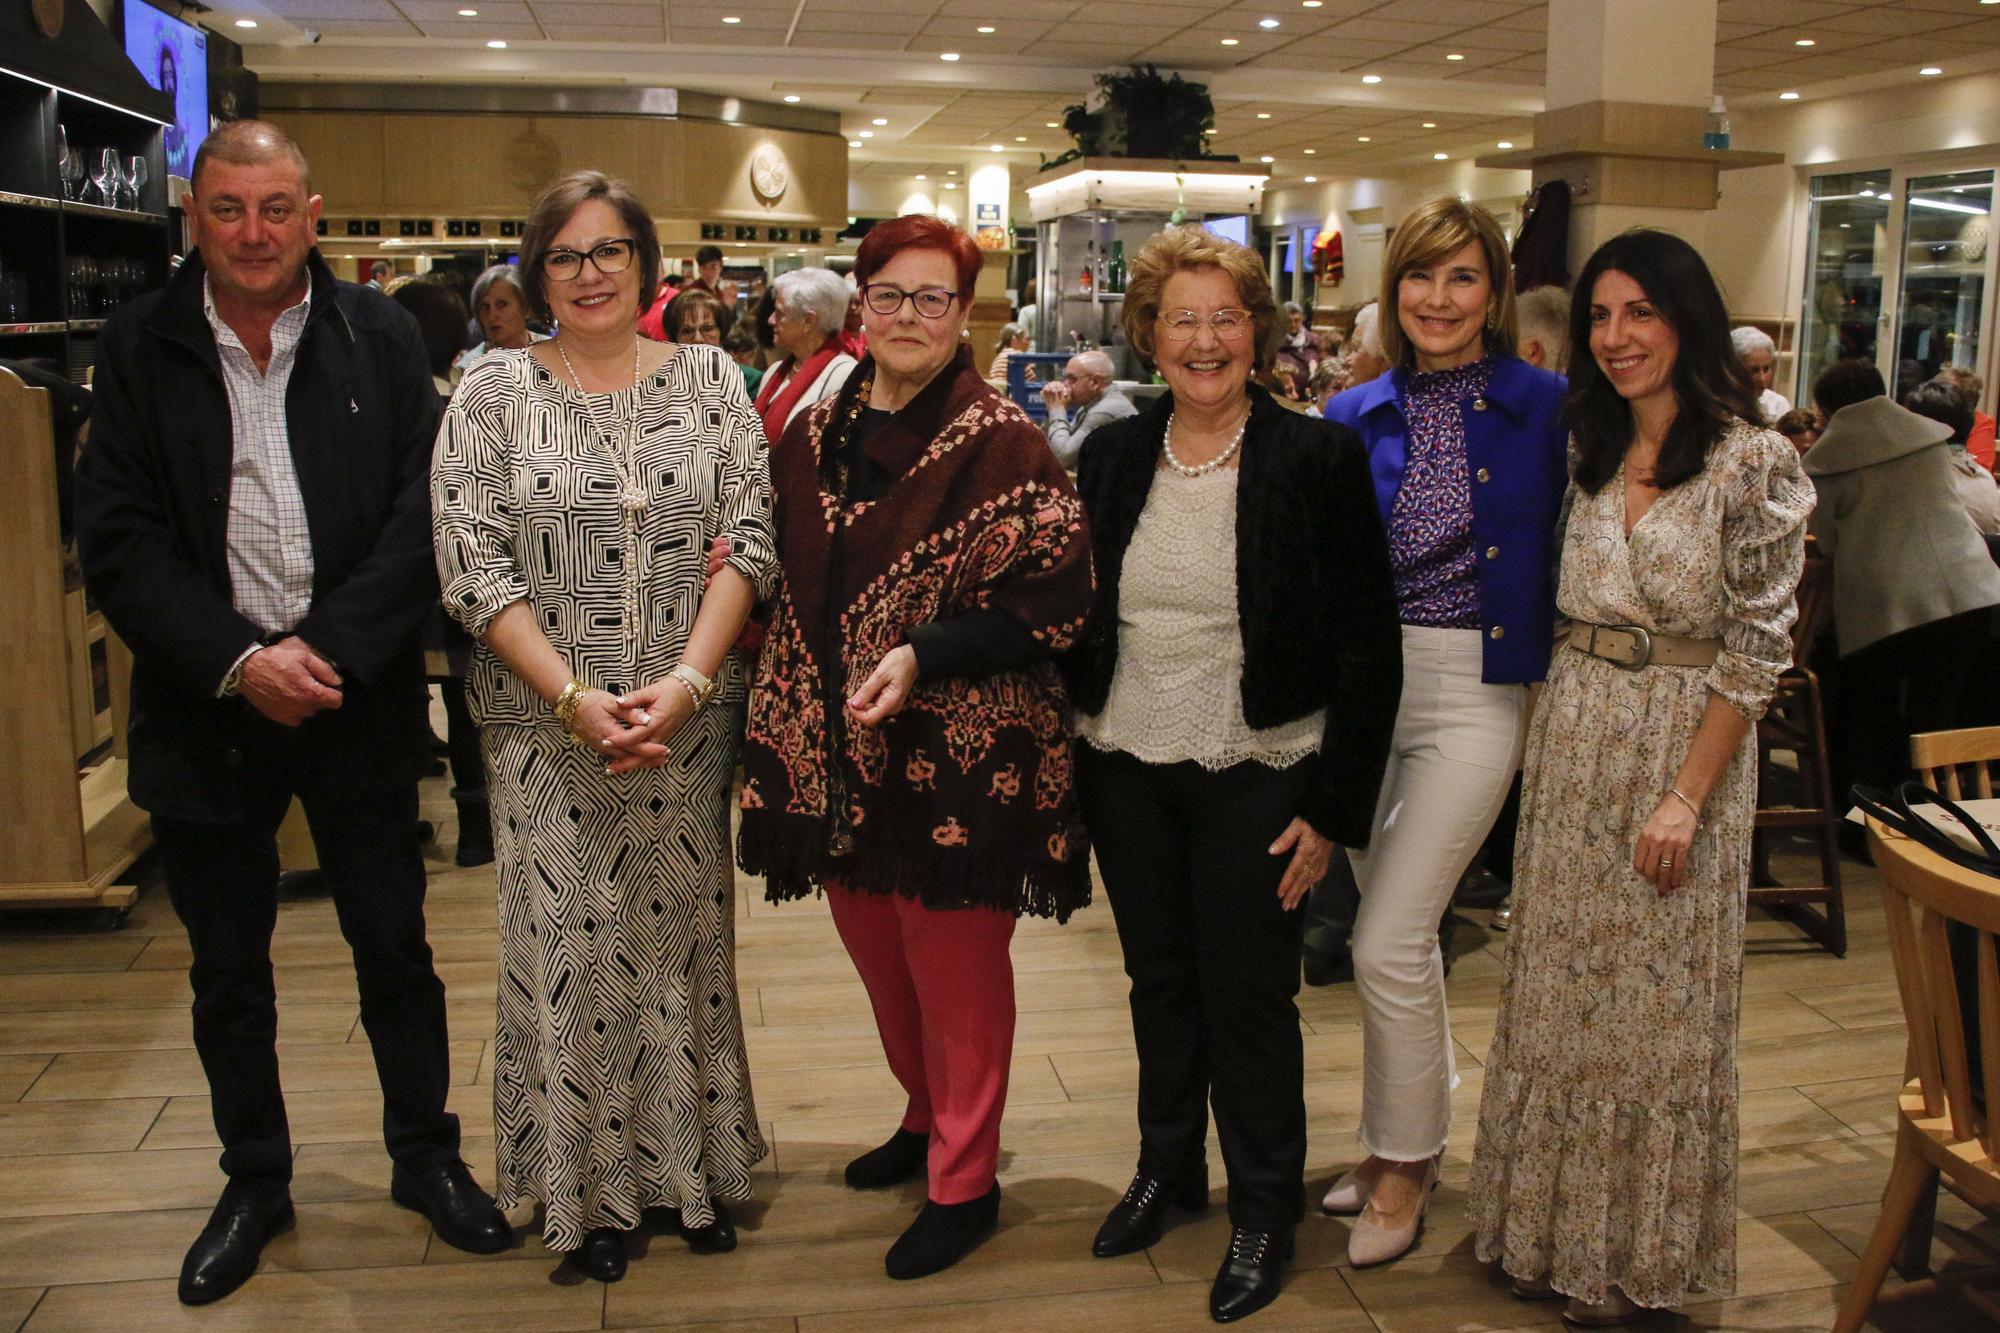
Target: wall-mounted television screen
x: 1235, y: 227
x: 174, y: 58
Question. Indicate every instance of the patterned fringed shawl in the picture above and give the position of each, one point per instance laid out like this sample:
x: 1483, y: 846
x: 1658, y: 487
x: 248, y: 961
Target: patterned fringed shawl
x: 964, y: 798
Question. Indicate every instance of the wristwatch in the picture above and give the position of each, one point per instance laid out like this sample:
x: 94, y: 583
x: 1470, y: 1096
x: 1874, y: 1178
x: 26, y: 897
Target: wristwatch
x: 701, y: 688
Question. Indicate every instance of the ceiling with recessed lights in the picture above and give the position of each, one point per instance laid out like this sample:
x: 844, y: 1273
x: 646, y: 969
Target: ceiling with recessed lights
x: 1317, y: 86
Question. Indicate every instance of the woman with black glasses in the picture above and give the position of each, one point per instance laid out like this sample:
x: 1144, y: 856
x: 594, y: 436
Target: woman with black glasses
x: 1236, y: 692
x: 908, y: 746
x: 576, y: 489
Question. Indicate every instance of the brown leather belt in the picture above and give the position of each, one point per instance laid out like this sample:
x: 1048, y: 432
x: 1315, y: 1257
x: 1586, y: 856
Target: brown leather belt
x: 1632, y: 647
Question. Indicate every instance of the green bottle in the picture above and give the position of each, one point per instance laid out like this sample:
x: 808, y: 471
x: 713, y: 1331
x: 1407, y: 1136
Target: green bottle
x: 1118, y: 266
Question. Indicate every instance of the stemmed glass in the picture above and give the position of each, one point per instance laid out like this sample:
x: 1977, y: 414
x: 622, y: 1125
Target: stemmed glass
x: 69, y: 166
x: 105, y: 177
x: 135, y: 178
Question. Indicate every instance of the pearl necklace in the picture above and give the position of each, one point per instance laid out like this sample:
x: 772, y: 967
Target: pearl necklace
x: 1201, y: 469
x: 631, y: 492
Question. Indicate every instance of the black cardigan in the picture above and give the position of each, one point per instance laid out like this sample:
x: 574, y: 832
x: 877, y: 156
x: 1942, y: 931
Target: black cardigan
x: 1314, y: 594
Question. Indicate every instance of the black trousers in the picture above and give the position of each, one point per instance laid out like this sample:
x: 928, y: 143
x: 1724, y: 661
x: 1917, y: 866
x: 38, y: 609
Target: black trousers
x: 1930, y: 678
x: 1214, y: 962
x: 223, y: 881
x: 461, y: 739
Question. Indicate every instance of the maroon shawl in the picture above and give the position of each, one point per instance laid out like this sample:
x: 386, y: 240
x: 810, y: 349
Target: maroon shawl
x: 964, y: 798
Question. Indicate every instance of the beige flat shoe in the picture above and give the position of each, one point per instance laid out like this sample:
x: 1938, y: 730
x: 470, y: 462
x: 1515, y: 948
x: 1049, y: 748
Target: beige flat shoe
x: 1536, y: 1289
x: 1348, y: 1196
x: 1610, y: 1312
x: 1371, y: 1243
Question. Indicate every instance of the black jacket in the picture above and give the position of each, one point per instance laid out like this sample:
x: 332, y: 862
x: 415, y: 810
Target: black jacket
x: 152, y: 512
x: 1315, y: 598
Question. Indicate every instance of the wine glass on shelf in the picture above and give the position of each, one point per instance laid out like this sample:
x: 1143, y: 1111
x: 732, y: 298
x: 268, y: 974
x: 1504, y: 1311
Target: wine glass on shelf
x: 104, y: 175
x: 135, y: 179
x: 69, y: 165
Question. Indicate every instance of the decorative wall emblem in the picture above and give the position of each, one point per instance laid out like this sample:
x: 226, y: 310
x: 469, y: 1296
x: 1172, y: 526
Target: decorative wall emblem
x: 770, y: 173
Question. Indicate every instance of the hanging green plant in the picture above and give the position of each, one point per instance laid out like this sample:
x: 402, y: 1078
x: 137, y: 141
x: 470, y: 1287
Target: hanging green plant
x: 1141, y: 113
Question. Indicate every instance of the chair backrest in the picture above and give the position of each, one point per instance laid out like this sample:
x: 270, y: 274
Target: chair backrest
x: 1923, y: 894
x: 1939, y: 755
x: 1815, y: 596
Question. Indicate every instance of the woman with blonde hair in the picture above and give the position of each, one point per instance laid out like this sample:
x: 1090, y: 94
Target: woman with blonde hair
x: 1234, y: 692
x: 1467, y: 453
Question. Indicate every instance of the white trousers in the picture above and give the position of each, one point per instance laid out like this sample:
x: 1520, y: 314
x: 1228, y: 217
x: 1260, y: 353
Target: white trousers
x: 1457, y: 744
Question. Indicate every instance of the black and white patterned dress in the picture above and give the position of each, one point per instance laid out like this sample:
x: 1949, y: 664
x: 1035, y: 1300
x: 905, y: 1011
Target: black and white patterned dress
x: 619, y: 1080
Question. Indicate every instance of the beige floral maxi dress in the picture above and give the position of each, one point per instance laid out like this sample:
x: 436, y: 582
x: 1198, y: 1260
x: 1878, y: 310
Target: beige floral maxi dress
x: 1607, y: 1125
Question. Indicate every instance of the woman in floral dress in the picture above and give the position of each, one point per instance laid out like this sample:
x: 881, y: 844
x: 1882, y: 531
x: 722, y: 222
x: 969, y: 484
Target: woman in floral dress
x: 1605, y: 1169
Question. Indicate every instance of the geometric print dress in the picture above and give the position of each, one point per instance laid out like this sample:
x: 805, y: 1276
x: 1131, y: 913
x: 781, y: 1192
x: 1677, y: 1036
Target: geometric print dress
x: 1607, y: 1144
x: 619, y: 1079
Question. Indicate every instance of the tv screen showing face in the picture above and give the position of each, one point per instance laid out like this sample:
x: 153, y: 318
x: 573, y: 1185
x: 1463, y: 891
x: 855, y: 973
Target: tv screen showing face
x: 174, y: 58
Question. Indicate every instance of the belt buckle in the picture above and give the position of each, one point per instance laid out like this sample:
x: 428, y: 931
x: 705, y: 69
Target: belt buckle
x: 1642, y: 646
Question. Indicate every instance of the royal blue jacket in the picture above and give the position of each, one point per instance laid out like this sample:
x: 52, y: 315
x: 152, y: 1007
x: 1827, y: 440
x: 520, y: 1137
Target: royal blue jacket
x: 1517, y: 451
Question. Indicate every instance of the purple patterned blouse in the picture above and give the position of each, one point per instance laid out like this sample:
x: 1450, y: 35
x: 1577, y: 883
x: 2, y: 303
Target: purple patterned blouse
x: 1430, y: 525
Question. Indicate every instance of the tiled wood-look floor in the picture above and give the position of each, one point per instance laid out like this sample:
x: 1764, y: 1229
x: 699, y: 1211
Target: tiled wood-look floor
x: 110, y: 1156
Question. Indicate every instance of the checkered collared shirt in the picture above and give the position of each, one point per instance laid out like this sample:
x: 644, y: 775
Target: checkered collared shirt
x: 270, y: 544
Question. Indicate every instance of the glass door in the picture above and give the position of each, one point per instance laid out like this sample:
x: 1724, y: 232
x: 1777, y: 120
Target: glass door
x: 1947, y: 271
x: 1848, y: 251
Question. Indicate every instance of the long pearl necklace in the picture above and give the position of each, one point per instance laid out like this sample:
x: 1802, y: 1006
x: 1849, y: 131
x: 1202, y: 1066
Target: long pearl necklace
x: 631, y: 488
x: 1202, y: 469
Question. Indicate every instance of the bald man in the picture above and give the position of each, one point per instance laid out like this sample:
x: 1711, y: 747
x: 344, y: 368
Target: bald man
x: 1085, y: 389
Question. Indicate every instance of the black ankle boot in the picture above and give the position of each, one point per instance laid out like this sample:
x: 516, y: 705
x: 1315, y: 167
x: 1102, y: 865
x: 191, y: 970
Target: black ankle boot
x: 1250, y: 1275
x: 941, y: 1235
x: 1135, y: 1221
x: 602, y: 1254
x: 475, y: 827
x: 898, y: 1160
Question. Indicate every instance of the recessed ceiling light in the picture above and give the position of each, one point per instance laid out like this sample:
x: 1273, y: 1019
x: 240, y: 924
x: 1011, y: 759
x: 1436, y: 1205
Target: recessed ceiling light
x: 951, y: 185
x: 879, y: 120
x: 1454, y: 56
x: 732, y: 19
x: 1267, y: 158
x: 1267, y: 23
x: 1312, y: 180
x: 953, y: 171
x: 1263, y: 115
x: 922, y: 177
x: 791, y: 97
x: 251, y: 23
x: 864, y: 134
x: 1430, y: 124
x: 947, y: 55
x: 1930, y: 71
x: 1505, y: 143
x: 468, y: 13
x: 1020, y: 138
x: 1362, y: 138
x: 854, y: 143
x: 1440, y: 157
x: 1371, y: 78
x: 1311, y: 151
x: 1230, y: 41
x: 1805, y: 41
x: 1052, y: 124
x: 995, y: 147
x: 985, y: 29
x: 1788, y: 97
x: 1315, y: 4
x: 498, y: 45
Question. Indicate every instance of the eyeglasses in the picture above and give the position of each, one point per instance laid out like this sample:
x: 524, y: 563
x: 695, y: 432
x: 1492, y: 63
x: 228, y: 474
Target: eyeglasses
x: 1181, y: 325
x: 931, y: 302
x: 609, y: 258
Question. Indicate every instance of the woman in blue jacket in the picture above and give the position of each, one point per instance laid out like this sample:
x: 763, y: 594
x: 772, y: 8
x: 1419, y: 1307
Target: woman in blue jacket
x: 1469, y: 460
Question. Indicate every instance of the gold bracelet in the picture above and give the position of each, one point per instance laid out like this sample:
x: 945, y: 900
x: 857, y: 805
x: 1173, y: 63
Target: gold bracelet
x: 569, y: 701
x: 1692, y: 807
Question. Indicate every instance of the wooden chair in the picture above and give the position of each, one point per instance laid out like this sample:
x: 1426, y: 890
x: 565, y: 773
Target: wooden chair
x: 1796, y: 722
x: 1939, y: 755
x: 1942, y: 1134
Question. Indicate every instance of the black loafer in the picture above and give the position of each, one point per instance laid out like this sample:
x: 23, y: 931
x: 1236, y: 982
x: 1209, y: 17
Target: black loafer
x: 1135, y: 1221
x: 1250, y: 1275
x: 225, y: 1254
x: 718, y: 1237
x: 901, y: 1158
x: 941, y: 1235
x: 461, y: 1213
x: 602, y: 1254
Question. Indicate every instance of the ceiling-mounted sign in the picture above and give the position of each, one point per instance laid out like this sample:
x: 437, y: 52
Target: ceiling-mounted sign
x: 770, y: 173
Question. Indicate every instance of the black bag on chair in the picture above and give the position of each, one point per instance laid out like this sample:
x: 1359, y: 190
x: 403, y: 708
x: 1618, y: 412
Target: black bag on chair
x: 1894, y: 809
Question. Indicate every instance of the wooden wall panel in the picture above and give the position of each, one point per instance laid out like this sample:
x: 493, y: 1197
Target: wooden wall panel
x: 345, y: 154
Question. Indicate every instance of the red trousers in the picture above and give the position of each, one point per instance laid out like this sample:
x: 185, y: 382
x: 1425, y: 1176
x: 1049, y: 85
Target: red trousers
x: 942, y: 987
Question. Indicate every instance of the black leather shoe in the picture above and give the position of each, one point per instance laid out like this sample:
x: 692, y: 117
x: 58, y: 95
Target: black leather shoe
x: 1250, y: 1275
x: 225, y: 1254
x: 1135, y: 1221
x: 475, y: 829
x: 718, y: 1237
x: 461, y: 1213
x: 901, y: 1158
x: 941, y: 1235
x: 602, y: 1254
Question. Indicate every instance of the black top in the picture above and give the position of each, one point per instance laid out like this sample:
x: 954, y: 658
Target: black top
x: 1316, y: 603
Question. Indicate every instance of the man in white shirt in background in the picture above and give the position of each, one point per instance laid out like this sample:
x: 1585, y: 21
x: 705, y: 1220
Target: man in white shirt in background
x: 1085, y: 389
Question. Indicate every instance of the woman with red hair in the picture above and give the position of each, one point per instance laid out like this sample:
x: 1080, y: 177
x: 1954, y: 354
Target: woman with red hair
x: 908, y: 751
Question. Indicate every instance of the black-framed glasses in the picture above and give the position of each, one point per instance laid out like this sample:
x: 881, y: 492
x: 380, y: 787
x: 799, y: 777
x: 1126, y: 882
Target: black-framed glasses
x: 1181, y: 325
x: 608, y: 258
x: 931, y: 302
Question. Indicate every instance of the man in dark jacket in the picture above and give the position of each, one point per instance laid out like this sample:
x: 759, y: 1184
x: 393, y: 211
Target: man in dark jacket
x: 253, y: 518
